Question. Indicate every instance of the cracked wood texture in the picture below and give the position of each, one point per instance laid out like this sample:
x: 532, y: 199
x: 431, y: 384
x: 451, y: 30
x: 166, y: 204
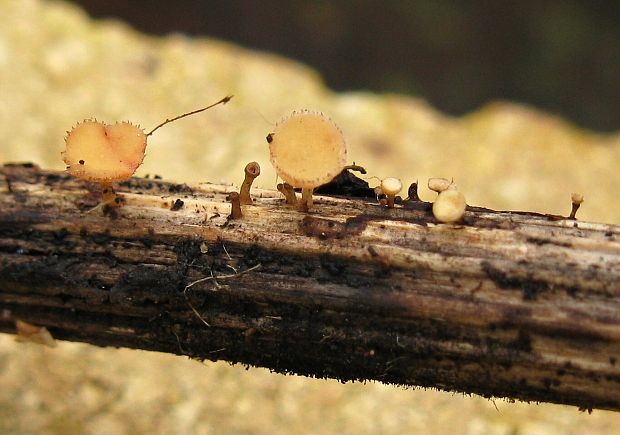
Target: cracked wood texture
x: 517, y: 305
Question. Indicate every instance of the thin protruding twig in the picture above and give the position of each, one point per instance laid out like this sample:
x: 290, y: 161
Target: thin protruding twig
x: 234, y: 275
x: 212, y: 277
x: 224, y: 100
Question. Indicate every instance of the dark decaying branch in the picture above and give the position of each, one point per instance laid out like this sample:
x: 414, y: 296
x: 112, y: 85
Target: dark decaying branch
x: 515, y: 305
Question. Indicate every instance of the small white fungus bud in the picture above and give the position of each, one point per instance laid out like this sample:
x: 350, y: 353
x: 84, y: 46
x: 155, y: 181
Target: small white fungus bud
x: 449, y: 206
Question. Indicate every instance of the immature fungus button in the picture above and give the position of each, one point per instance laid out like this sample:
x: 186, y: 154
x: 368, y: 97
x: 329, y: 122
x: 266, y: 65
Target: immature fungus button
x: 450, y: 205
x: 307, y: 149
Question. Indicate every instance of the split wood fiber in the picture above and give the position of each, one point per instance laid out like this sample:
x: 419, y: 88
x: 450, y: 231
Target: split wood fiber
x: 516, y: 305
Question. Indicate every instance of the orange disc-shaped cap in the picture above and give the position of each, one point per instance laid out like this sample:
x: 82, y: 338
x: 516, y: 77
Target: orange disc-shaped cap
x: 104, y: 153
x: 307, y: 149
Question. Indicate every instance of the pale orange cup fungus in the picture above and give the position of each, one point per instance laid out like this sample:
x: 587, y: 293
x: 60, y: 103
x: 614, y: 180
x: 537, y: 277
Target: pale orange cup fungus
x: 307, y: 150
x: 391, y: 187
x: 105, y: 153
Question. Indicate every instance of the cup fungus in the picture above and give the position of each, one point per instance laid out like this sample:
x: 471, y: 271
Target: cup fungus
x: 252, y: 170
x: 307, y: 149
x: 106, y: 153
x: 438, y: 184
x: 450, y: 205
x: 391, y: 187
x: 576, y: 200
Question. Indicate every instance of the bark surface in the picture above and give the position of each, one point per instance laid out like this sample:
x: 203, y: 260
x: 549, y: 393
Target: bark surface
x: 505, y: 304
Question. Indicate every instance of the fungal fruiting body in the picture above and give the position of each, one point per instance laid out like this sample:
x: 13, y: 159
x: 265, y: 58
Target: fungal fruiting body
x: 235, y: 206
x: 105, y: 153
x: 252, y: 170
x: 576, y: 200
x: 307, y: 149
x: 450, y: 205
x: 289, y: 193
x: 391, y: 187
x: 439, y: 184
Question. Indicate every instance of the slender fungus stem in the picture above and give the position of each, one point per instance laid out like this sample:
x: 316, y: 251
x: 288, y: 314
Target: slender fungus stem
x: 289, y: 193
x: 235, y: 210
x: 193, y: 112
x: 108, y: 195
x: 306, y: 199
x: 576, y: 199
x: 252, y: 170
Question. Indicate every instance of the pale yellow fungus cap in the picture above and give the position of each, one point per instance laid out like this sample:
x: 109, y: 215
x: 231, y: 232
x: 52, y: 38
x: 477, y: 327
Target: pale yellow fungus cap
x: 307, y: 149
x: 391, y: 186
x: 438, y: 184
x: 449, y: 206
x: 104, y: 153
x: 576, y: 198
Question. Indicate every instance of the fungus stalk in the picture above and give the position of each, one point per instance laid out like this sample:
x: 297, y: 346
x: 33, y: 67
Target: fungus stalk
x: 108, y: 195
x: 252, y: 170
x: 235, y: 206
x: 306, y: 198
x: 576, y: 199
x: 289, y: 193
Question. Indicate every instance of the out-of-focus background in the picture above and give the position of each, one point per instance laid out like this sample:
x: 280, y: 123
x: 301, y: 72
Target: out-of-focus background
x: 563, y: 57
x: 454, y: 69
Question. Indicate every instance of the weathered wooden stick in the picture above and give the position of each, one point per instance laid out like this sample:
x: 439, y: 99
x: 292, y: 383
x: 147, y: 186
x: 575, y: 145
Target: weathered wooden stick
x: 515, y: 305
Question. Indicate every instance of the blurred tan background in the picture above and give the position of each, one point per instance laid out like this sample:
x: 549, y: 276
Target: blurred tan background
x: 57, y: 67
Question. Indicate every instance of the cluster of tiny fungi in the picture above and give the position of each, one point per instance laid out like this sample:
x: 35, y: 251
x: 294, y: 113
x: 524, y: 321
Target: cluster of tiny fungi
x: 307, y: 150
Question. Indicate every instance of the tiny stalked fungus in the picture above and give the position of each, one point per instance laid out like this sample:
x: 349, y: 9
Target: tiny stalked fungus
x: 252, y: 170
x: 439, y: 184
x: 104, y: 153
x: 307, y: 150
x: 391, y: 187
x: 450, y: 205
x: 235, y: 206
x: 107, y: 153
x: 289, y: 193
x: 576, y: 200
